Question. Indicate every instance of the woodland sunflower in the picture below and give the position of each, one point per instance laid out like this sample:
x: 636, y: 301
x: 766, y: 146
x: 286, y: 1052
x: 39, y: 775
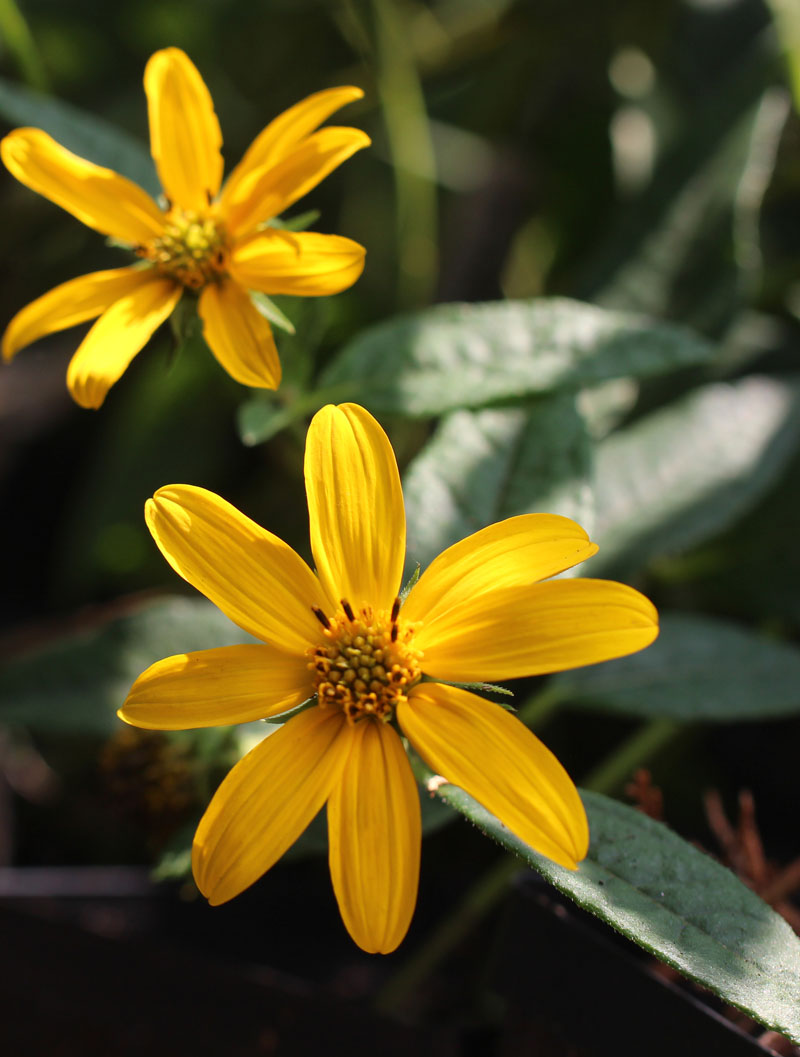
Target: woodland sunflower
x: 210, y: 241
x: 377, y: 671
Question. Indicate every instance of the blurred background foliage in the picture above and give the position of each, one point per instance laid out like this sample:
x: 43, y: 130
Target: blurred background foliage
x: 644, y: 158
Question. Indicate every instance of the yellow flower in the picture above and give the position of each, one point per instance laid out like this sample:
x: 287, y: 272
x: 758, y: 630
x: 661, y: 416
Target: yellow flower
x: 213, y: 241
x: 378, y: 670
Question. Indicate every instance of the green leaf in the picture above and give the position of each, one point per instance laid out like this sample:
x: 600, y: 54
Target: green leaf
x: 699, y: 668
x: 674, y: 901
x: 480, y: 467
x: 471, y: 356
x: 682, y: 474
x: 669, y: 249
x: 694, y: 236
x: 76, y: 682
x: 85, y: 134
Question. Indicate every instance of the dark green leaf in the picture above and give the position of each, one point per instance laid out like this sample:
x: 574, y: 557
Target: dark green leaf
x: 695, y: 236
x: 675, y: 902
x: 669, y: 249
x: 680, y: 475
x: 85, y: 134
x: 480, y: 467
x: 470, y: 356
x: 698, y: 669
x: 76, y: 682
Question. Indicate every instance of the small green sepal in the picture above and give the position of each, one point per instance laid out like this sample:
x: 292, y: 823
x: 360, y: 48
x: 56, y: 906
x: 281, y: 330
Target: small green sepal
x: 270, y: 311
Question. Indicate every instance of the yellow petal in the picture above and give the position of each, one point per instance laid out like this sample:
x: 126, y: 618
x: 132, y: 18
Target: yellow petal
x: 122, y: 331
x: 518, y: 551
x: 239, y: 336
x: 98, y: 197
x: 480, y: 747
x: 519, y: 631
x: 374, y: 837
x: 267, y: 801
x: 304, y: 263
x: 70, y: 303
x: 281, y: 135
x: 185, y: 138
x: 267, y: 191
x: 256, y: 579
x: 355, y: 507
x: 234, y: 684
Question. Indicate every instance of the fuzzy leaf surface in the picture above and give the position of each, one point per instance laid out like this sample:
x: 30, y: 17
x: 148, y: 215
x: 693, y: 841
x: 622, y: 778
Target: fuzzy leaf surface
x: 473, y: 355
x: 674, y: 901
x: 83, y: 133
x: 680, y: 475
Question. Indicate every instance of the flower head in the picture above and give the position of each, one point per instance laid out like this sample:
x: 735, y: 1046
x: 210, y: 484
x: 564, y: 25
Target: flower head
x: 484, y: 609
x: 211, y: 241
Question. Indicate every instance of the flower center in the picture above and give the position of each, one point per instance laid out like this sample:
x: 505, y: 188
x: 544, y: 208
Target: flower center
x: 366, y: 665
x: 192, y: 249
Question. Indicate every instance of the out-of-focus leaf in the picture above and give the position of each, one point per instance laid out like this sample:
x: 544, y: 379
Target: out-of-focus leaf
x: 755, y: 179
x: 470, y: 356
x: 75, y: 683
x: 751, y: 572
x: 698, y: 668
x: 670, y: 251
x: 85, y: 134
x: 261, y: 417
x: 678, y: 476
x: 692, y: 238
x: 482, y: 466
x: 675, y: 902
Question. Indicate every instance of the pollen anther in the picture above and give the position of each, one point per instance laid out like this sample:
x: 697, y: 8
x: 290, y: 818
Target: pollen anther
x: 191, y: 249
x: 367, y: 663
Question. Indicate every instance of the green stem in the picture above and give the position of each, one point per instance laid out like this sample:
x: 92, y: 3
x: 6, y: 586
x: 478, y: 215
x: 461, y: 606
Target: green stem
x: 18, y: 39
x: 479, y: 900
x: 411, y: 147
x: 640, y: 747
x: 490, y: 888
x: 538, y: 711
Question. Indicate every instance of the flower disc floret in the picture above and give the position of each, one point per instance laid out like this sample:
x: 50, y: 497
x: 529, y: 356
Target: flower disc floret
x: 192, y: 249
x: 366, y: 664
